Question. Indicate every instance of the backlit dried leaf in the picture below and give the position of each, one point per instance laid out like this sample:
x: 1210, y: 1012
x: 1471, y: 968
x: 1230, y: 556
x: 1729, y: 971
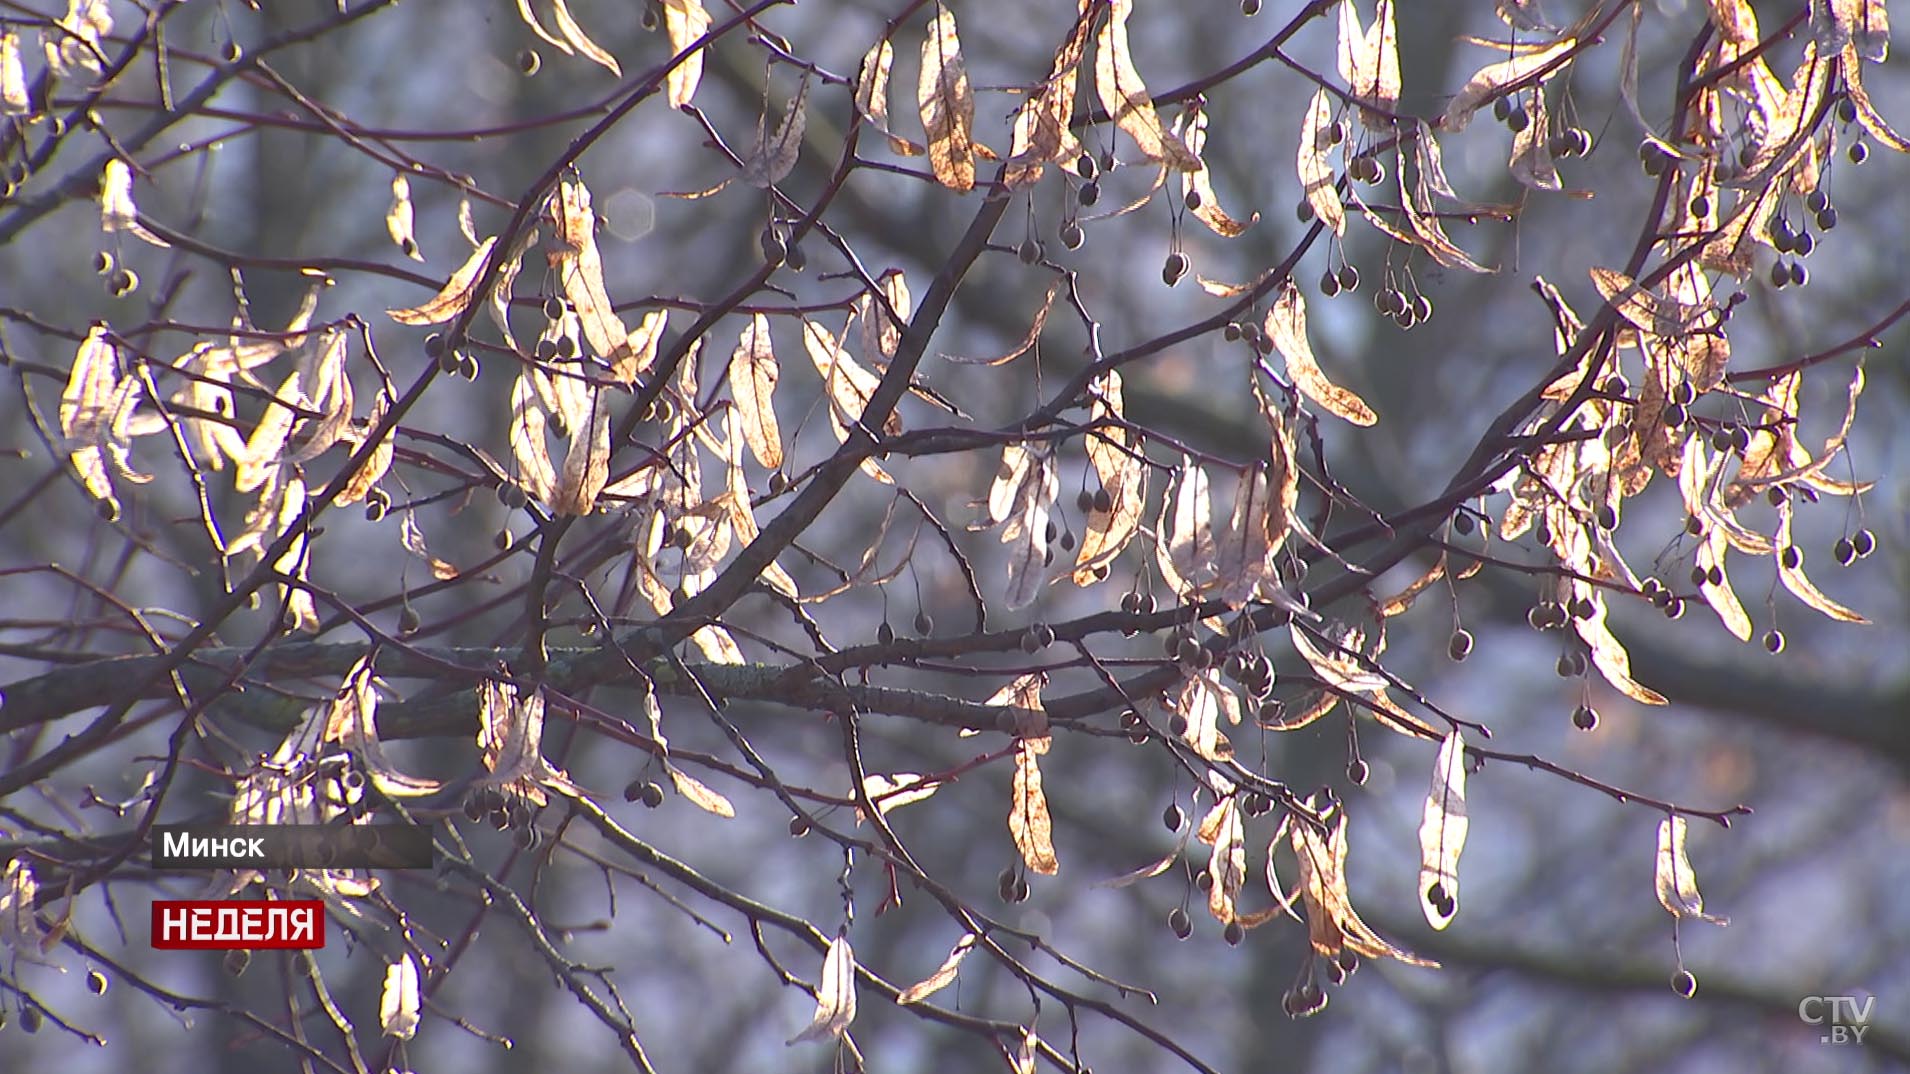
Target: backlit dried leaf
x: 586, y: 464
x: 1197, y: 184
x: 263, y: 447
x: 753, y: 376
x: 943, y: 976
x: 1243, y: 554
x: 467, y: 224
x: 1115, y: 456
x: 947, y: 103
x: 573, y: 33
x: 1025, y: 1052
x: 1609, y: 656
x: 1781, y: 116
x: 1736, y: 22
x: 1023, y: 694
x: 1122, y: 92
x: 848, y: 387
x: 398, y: 1003
x: 1431, y: 178
x: 1186, y: 549
x: 718, y: 647
x: 835, y: 994
x: 1200, y: 703
x: 455, y: 296
x: 352, y: 722
x: 1285, y: 324
x: 93, y: 394
x: 1832, y: 22
x: 1041, y: 134
x: 1867, y: 113
x: 1669, y: 318
x: 14, y: 100
x: 736, y: 504
x: 1442, y: 834
x: 1283, y: 484
x: 1402, y: 601
x: 116, y: 209
x: 1027, y: 342
x: 1489, y: 80
x: 78, y: 48
x: 529, y: 14
x: 1797, y: 582
x: 412, y: 537
x: 1028, y: 820
x: 299, y: 612
x: 872, y: 96
x: 1029, y: 556
x: 884, y: 317
x: 640, y: 351
x: 1153, y: 868
x: 1369, y: 61
x: 1532, y: 147
x: 1227, y: 865
x: 684, y: 21
x: 1779, y: 459
x: 772, y: 158
x: 331, y: 395
x: 1423, y: 228
x: 1677, y: 885
x: 573, y: 256
x: 699, y: 794
x: 399, y: 218
x: 1226, y: 288
x: 1871, y: 35
x: 1721, y: 597
x: 510, y: 744
x: 1006, y: 493
x: 1336, y: 668
x: 534, y: 470
x: 22, y: 935
x: 1020, y: 505
x: 1332, y: 923
x: 891, y: 792
x: 1316, y: 174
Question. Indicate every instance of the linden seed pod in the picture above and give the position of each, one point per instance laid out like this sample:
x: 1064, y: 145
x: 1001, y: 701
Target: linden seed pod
x: 1460, y: 646
x: 1684, y: 984
x: 775, y: 251
x: 1863, y: 542
x: 1176, y: 267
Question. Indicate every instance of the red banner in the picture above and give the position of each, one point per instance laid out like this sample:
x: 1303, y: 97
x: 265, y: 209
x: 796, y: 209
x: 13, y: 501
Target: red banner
x: 237, y: 924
